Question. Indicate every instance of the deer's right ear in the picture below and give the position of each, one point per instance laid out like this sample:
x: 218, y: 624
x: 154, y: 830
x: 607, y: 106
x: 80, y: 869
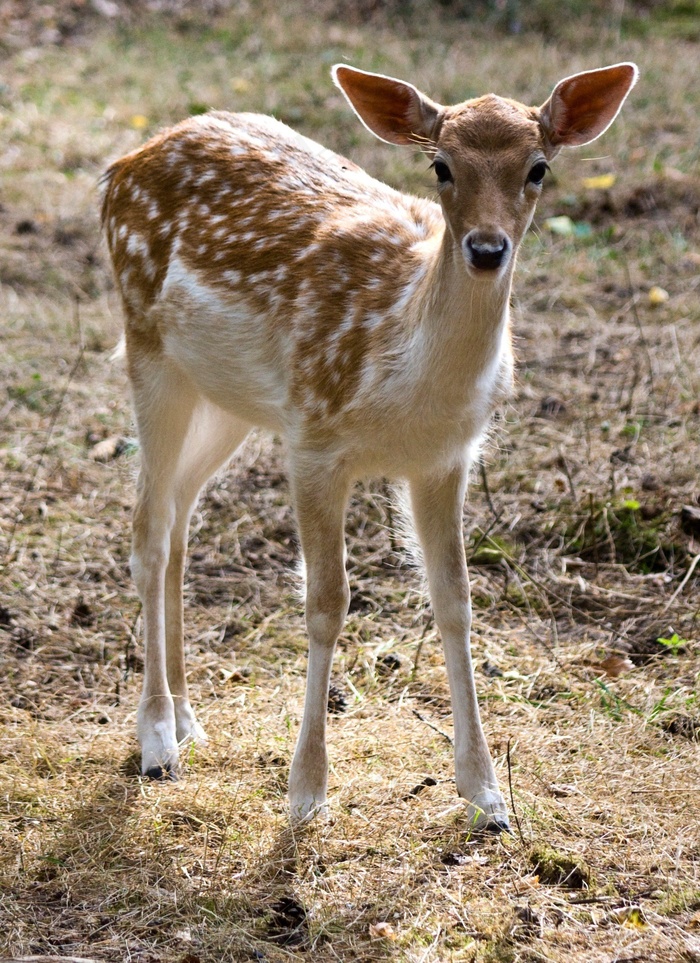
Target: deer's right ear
x: 392, y: 109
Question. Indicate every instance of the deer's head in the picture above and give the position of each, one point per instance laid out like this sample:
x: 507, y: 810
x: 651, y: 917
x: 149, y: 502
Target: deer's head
x: 490, y: 155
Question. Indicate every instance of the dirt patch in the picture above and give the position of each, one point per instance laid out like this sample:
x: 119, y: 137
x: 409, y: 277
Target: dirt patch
x: 559, y: 869
x: 672, y: 202
x: 51, y: 255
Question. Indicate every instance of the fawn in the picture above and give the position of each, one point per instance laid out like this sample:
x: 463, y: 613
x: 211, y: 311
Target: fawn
x: 267, y: 281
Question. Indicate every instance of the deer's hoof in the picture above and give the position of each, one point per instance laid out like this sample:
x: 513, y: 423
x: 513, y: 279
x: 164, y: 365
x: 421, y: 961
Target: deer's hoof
x: 161, y: 774
x: 497, y: 825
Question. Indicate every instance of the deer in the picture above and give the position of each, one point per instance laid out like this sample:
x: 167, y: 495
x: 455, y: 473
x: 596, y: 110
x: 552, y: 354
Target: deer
x: 269, y: 282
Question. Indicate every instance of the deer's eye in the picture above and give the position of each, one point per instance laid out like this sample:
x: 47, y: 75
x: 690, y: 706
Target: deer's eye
x: 442, y: 172
x: 537, y: 172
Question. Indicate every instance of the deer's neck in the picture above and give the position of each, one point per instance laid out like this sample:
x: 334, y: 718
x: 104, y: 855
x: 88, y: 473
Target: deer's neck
x: 461, y: 321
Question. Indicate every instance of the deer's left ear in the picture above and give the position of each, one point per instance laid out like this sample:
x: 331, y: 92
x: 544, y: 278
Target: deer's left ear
x: 582, y: 107
x: 393, y: 110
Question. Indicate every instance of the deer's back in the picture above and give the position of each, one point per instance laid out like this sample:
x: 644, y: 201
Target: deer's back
x: 237, y: 242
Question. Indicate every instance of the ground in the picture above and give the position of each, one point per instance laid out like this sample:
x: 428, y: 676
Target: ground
x: 582, y: 528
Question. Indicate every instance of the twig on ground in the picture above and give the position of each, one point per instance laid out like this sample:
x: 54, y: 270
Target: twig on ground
x: 512, y: 799
x: 419, y: 647
x: 683, y: 584
x: 431, y: 725
x: 487, y: 492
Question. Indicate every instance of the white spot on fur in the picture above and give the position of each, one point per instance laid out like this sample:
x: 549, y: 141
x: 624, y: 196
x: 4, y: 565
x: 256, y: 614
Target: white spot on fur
x: 138, y: 245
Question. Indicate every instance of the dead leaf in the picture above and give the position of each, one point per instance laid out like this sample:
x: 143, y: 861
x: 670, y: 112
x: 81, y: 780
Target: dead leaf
x: 600, y: 182
x: 657, y: 296
x: 562, y: 225
x: 630, y: 916
x: 108, y: 449
x: 614, y: 665
x: 382, y: 931
x: 561, y: 790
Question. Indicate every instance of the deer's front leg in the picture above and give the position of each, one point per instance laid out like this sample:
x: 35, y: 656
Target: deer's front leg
x: 437, y: 509
x: 320, y: 498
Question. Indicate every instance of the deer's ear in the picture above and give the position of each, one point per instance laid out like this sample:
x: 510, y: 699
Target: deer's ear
x: 393, y: 110
x: 582, y: 107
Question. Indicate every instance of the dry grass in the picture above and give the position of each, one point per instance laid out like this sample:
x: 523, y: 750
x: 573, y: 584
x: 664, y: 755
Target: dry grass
x: 580, y: 550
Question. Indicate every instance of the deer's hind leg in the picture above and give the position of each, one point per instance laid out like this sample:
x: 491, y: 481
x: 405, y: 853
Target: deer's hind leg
x: 184, y: 439
x: 213, y: 436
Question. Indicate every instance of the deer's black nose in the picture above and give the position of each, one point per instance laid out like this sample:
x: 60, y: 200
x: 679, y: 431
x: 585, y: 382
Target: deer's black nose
x: 487, y: 251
